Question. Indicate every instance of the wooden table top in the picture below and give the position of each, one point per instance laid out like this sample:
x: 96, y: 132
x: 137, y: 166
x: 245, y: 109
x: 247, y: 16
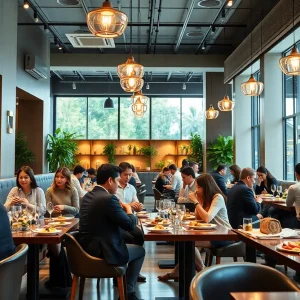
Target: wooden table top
x: 28, y: 237
x: 218, y: 234
x: 279, y: 204
x: 266, y: 296
x: 269, y: 247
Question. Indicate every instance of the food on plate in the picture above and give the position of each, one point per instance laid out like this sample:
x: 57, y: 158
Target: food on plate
x: 165, y: 221
x: 158, y: 219
x: 153, y: 222
x: 270, y: 226
x: 193, y: 223
x: 47, y: 229
x: 159, y: 227
x: 266, y: 195
x: 284, y: 196
x: 292, y: 246
x: 61, y: 218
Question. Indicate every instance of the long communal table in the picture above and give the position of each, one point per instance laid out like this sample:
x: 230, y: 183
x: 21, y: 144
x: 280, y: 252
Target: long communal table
x: 34, y: 241
x: 186, y: 246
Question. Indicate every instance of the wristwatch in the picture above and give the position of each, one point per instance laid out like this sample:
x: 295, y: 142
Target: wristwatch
x: 196, y: 203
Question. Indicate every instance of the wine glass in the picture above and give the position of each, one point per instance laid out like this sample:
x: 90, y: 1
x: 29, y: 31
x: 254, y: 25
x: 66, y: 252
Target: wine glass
x: 279, y: 190
x: 17, y: 214
x: 166, y: 206
x: 50, y: 209
x: 158, y: 206
x: 180, y: 212
x: 273, y: 188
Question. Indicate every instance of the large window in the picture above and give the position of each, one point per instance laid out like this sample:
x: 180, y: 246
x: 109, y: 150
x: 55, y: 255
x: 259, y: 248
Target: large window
x: 255, y: 128
x: 166, y: 118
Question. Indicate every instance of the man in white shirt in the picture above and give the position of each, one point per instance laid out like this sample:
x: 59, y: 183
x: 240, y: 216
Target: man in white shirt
x: 293, y: 196
x: 189, y: 185
x: 127, y: 192
x: 176, y: 181
x: 195, y: 167
x: 75, y: 177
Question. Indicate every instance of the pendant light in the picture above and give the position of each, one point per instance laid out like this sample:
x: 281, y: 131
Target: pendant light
x: 106, y: 22
x: 290, y: 65
x: 252, y: 87
x: 109, y: 103
x: 211, y: 113
x: 131, y: 73
x: 226, y: 104
x: 139, y: 102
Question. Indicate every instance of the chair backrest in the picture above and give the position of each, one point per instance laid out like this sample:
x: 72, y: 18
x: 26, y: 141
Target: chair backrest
x: 84, y: 265
x: 11, y: 272
x: 141, y: 196
x: 157, y: 194
x: 142, y: 188
x: 217, y: 282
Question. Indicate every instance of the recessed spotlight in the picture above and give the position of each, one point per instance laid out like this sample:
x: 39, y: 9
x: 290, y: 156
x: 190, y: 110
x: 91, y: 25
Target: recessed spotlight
x: 203, y: 46
x: 223, y: 16
x: 26, y: 5
x: 35, y: 17
x: 230, y: 3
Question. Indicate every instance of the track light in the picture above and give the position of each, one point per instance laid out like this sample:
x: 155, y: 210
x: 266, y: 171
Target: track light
x: 184, y: 86
x: 223, y: 16
x: 203, y: 46
x: 230, y: 3
x: 147, y: 86
x: 46, y: 28
x: 60, y: 47
x: 74, y: 86
x: 213, y: 30
x: 35, y: 17
x: 26, y: 5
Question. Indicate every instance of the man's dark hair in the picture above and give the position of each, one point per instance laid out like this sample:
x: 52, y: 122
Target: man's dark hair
x: 91, y: 171
x: 78, y: 169
x: 185, y: 163
x: 193, y: 163
x: 132, y: 168
x: 107, y: 171
x: 297, y: 169
x: 188, y: 171
x: 173, y: 167
x: 124, y: 166
x: 165, y: 169
x: 221, y: 167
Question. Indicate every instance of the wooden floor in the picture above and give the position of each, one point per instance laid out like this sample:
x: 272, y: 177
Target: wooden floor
x: 147, y: 291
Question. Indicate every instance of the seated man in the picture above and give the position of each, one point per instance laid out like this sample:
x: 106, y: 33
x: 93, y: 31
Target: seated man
x: 189, y: 185
x: 75, y: 177
x: 92, y: 174
x: 7, y: 247
x: 102, y: 219
x: 241, y: 201
x: 219, y: 178
x: 195, y: 167
x: 176, y: 182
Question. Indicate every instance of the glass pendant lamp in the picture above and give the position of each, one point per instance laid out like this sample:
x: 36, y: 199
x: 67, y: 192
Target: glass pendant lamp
x: 144, y: 99
x: 139, y: 108
x: 211, y: 113
x: 106, y: 22
x: 226, y: 104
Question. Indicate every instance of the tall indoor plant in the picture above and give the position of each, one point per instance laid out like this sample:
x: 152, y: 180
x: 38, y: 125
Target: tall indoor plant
x: 110, y: 151
x: 23, y: 155
x: 196, y: 149
x: 61, y: 150
x: 220, y: 151
x: 149, y: 151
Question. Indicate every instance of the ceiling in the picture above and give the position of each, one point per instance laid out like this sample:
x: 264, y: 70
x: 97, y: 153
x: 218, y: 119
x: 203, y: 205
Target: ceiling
x: 158, y: 26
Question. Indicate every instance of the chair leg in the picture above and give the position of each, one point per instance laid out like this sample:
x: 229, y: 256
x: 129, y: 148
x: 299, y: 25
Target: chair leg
x: 210, y: 259
x: 218, y: 260
x: 81, y: 287
x: 206, y: 259
x: 285, y: 268
x: 98, y: 283
x: 235, y: 259
x: 74, y: 286
x: 121, y: 288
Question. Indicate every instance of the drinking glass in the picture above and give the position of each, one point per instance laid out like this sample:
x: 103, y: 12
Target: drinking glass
x: 180, y: 211
x: 279, y: 190
x: 50, y: 209
x: 273, y: 188
x: 158, y: 206
x: 17, y: 214
x: 247, y: 224
x: 166, y: 207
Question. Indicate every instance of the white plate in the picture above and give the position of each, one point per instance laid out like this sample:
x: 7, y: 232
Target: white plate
x: 64, y: 218
x: 191, y: 217
x: 143, y: 215
x: 204, y: 226
x: 159, y: 223
x: 279, y: 247
x: 40, y: 231
x: 152, y: 229
x: 59, y: 223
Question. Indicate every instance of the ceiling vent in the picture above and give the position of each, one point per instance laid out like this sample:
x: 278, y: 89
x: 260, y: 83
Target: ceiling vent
x: 195, y: 34
x: 88, y: 40
x: 69, y: 2
x: 209, y: 3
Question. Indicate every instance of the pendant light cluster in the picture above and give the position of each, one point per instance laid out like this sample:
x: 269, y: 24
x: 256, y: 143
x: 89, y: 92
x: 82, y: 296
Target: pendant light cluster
x: 224, y: 105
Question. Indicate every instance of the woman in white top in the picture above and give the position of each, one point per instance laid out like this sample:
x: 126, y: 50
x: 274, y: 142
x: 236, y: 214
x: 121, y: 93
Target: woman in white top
x: 27, y: 193
x: 211, y: 208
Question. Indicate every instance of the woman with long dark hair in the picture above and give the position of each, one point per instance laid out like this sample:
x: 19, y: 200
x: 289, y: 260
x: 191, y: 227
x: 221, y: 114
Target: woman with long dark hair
x: 235, y: 171
x: 264, y: 181
x: 210, y: 206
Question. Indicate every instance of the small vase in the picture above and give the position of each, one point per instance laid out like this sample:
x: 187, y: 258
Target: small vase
x: 147, y: 168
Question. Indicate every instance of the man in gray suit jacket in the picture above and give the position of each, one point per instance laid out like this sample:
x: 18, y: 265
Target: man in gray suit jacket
x: 102, y: 220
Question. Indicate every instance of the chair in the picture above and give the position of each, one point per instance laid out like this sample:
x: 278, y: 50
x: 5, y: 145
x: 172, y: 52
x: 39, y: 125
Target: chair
x: 217, y: 282
x: 11, y: 272
x: 234, y: 250
x: 141, y: 188
x: 141, y: 196
x: 84, y: 266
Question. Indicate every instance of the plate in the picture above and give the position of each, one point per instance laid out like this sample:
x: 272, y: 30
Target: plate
x: 280, y: 248
x: 152, y: 229
x: 41, y: 231
x: 63, y: 218
x: 146, y: 215
x: 159, y: 223
x: 191, y: 217
x: 204, y: 226
x: 59, y: 224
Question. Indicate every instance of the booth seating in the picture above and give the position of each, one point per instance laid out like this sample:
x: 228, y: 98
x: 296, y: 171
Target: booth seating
x: 285, y: 184
x: 43, y: 181
x: 146, y: 178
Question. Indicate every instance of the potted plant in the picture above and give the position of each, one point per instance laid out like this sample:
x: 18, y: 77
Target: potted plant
x: 129, y: 147
x: 220, y: 151
x: 23, y: 155
x: 186, y: 149
x: 196, y: 149
x: 110, y: 151
x: 149, y: 151
x: 134, y: 150
x: 61, y: 150
x: 160, y: 164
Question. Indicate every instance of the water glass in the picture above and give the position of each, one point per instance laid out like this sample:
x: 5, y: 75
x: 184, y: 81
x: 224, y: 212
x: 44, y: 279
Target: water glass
x: 159, y: 206
x: 180, y: 212
x: 247, y: 224
x: 279, y: 190
x: 50, y: 209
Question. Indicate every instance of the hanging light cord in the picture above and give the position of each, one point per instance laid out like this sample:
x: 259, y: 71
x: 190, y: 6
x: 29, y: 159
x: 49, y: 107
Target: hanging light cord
x: 293, y: 7
x: 251, y: 15
x: 131, y: 27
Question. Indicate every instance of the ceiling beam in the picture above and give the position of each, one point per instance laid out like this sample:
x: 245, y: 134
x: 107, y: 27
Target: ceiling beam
x: 57, y: 74
x: 152, y: 4
x: 110, y: 76
x: 85, y: 5
x: 169, y: 76
x: 123, y: 35
x: 80, y: 75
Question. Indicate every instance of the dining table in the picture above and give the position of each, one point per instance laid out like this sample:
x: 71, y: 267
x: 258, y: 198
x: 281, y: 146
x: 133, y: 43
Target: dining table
x: 186, y: 239
x: 265, y: 296
x: 34, y: 241
x: 281, y: 204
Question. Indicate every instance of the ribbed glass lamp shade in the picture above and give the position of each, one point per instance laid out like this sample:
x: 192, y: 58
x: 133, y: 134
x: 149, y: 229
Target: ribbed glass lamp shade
x: 226, y: 104
x: 290, y: 65
x: 109, y: 103
x: 252, y: 87
x: 130, y: 68
x: 211, y: 113
x: 131, y: 84
x: 139, y: 95
x: 106, y: 22
x: 139, y: 108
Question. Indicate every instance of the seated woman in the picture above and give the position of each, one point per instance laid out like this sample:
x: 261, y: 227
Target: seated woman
x: 135, y: 175
x: 162, y: 179
x: 27, y: 193
x: 235, y: 171
x: 65, y: 200
x: 210, y: 207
